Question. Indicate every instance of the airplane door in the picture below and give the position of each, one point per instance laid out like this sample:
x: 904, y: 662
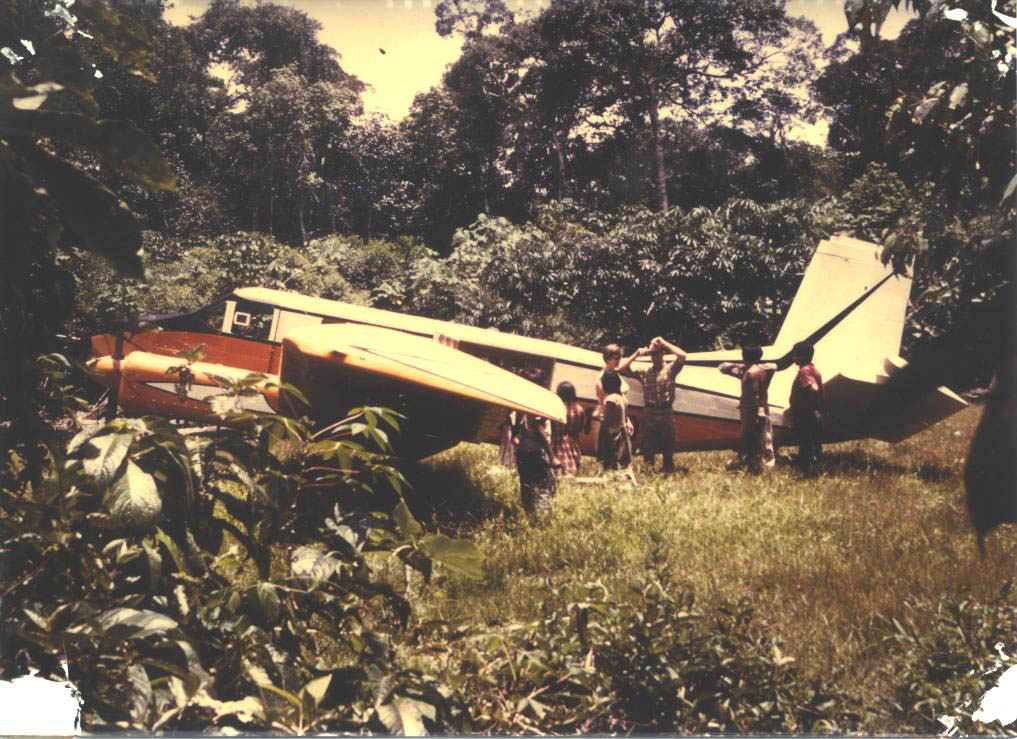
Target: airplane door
x: 286, y: 321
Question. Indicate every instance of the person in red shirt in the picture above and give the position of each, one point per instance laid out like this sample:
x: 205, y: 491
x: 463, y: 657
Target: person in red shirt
x: 807, y: 406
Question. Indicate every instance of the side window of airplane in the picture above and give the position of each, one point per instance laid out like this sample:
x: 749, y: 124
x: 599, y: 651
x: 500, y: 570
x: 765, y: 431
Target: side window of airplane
x: 252, y: 320
x: 207, y: 319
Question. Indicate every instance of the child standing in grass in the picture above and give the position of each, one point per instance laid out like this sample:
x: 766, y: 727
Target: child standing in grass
x: 535, y: 460
x: 756, y: 446
x: 614, y: 441
x: 565, y: 436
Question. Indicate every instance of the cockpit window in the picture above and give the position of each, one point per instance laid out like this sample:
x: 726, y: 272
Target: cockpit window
x: 252, y: 320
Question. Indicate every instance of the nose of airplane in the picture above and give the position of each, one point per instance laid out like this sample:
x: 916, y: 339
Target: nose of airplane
x: 105, y: 371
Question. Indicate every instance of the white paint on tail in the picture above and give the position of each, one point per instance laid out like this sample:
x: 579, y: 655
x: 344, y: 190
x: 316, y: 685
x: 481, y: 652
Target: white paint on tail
x: 841, y: 271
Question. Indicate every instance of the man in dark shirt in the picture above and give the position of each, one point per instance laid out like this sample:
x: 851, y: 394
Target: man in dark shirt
x: 756, y: 446
x: 807, y: 406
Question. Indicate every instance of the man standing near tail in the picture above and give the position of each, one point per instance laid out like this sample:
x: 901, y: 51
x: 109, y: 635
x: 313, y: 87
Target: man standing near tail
x: 807, y: 406
x: 756, y: 450
x: 658, y: 400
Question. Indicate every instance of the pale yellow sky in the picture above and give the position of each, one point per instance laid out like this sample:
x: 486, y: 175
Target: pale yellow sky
x: 415, y: 56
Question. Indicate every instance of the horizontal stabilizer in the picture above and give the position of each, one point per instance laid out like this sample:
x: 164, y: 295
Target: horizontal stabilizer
x: 854, y: 408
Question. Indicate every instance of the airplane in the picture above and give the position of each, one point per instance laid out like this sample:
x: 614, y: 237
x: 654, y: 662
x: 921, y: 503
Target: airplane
x: 454, y: 382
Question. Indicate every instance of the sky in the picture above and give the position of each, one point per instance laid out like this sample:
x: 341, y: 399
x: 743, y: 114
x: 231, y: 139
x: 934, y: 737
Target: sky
x: 415, y: 56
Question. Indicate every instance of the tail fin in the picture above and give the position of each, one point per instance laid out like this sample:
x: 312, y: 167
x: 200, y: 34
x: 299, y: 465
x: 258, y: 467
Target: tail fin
x: 851, y: 307
x: 842, y: 271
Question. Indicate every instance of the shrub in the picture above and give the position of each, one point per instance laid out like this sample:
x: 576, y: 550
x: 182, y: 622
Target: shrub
x: 943, y: 668
x: 366, y: 264
x: 710, y: 275
x: 218, y: 581
x: 646, y: 664
x: 196, y: 277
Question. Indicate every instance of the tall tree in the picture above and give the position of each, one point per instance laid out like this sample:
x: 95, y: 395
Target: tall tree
x: 471, y: 18
x: 255, y: 40
x: 176, y: 109
x: 936, y: 104
x: 274, y: 154
x: 689, y: 58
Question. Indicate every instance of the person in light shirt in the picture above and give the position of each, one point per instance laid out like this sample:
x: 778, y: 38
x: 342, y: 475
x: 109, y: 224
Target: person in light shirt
x: 658, y: 433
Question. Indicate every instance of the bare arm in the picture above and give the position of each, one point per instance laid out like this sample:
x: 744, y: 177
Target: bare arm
x: 624, y: 365
x: 735, y: 369
x: 671, y: 348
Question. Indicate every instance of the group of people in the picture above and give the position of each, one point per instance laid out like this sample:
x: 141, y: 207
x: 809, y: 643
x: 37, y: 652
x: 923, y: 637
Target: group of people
x: 540, y: 450
x: 755, y: 450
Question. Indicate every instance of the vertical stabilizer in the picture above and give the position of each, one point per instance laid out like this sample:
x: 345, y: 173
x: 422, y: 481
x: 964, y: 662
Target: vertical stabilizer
x: 842, y: 270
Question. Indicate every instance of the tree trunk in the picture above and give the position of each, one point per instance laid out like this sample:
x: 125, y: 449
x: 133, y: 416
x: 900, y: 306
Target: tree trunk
x: 303, y: 228
x: 658, y: 147
x: 560, y: 168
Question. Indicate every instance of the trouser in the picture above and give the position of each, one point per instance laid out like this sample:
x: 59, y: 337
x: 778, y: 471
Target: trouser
x: 756, y: 449
x: 537, y: 485
x: 809, y: 428
x: 614, y: 448
x: 658, y: 436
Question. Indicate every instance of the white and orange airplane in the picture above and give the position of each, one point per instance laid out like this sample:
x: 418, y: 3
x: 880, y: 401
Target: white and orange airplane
x: 450, y: 380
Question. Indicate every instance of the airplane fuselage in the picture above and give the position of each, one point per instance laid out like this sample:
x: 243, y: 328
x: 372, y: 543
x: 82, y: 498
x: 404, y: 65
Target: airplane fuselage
x: 245, y: 332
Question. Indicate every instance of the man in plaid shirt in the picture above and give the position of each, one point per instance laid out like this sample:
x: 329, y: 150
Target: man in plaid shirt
x: 658, y: 400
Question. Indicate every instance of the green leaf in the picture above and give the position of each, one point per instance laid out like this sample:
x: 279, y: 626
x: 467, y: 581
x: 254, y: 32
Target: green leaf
x: 89, y: 209
x: 154, y: 562
x: 135, y: 624
x: 456, y: 554
x: 299, y: 704
x: 1009, y: 190
x: 103, y: 455
x: 140, y: 692
x: 401, y: 717
x: 269, y: 605
x: 118, y: 143
x: 226, y: 405
x: 308, y: 563
x: 82, y: 436
x: 318, y: 687
x: 16, y: 96
x: 406, y: 523
x: 120, y: 36
x: 135, y: 499
x: 175, y: 552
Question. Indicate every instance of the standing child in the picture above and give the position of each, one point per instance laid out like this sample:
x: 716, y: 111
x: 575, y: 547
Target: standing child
x: 614, y: 441
x: 756, y: 448
x: 565, y: 436
x: 534, y: 458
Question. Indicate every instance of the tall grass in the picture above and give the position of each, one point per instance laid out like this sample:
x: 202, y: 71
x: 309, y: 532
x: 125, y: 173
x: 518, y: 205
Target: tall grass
x: 821, y: 559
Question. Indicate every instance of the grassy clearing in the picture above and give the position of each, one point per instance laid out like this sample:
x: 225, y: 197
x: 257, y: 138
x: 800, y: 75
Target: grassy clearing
x: 820, y: 559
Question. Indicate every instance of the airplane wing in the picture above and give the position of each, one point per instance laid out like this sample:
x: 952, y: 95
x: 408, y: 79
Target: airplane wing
x: 446, y: 395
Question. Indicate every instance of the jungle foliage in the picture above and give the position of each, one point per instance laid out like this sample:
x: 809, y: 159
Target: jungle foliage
x: 219, y: 580
x: 615, y: 187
